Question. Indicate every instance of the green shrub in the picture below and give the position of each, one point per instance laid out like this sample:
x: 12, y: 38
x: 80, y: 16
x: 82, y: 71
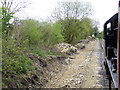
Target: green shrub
x: 15, y: 62
x: 28, y: 29
x: 49, y: 53
x: 15, y: 66
x: 56, y: 36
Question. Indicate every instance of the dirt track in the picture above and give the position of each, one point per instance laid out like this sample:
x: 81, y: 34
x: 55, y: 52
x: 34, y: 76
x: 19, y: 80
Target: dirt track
x: 85, y: 70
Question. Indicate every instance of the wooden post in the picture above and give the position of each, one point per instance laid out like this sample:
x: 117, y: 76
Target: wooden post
x: 118, y: 46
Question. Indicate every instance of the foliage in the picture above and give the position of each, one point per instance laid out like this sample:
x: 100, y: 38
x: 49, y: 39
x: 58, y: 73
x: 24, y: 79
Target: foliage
x: 38, y: 51
x: 28, y: 30
x: 73, y: 17
x: 74, y: 30
x: 56, y: 36
x: 39, y: 33
x: 69, y: 29
x: 14, y: 60
x: 102, y: 34
x: 88, y: 26
x: 5, y: 19
x: 75, y: 10
x: 9, y: 9
x: 31, y: 36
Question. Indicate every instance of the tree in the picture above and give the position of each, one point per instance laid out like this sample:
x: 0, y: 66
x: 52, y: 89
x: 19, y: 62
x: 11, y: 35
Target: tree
x: 56, y: 36
x: 76, y: 10
x: 70, y: 29
x: 9, y: 8
x: 71, y: 14
x: 96, y: 27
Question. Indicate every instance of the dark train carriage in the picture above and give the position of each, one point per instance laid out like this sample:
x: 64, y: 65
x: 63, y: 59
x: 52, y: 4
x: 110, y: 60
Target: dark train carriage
x: 112, y: 49
x: 110, y: 34
x: 110, y: 38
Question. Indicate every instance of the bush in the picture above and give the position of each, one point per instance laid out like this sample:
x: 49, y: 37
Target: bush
x: 28, y: 29
x: 39, y: 33
x: 16, y: 66
x: 56, y: 36
x: 15, y: 62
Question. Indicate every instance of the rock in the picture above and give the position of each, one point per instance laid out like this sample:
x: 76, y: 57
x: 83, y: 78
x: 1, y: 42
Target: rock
x: 66, y: 80
x: 66, y: 48
x: 66, y: 86
x: 35, y: 77
x: 60, y: 58
x: 71, y: 57
x: 97, y: 86
x: 86, y: 41
x: 79, y: 82
x: 73, y: 49
x: 85, y: 79
x: 75, y: 83
x: 80, y: 65
x: 80, y: 46
x: 81, y: 75
x: 67, y: 60
x: 71, y: 80
x: 30, y: 86
x: 69, y: 50
x: 40, y: 84
x: 87, y: 60
x: 51, y: 57
x: 80, y: 41
x: 43, y: 63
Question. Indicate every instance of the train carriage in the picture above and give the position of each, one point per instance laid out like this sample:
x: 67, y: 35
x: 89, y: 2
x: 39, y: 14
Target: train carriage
x: 112, y: 49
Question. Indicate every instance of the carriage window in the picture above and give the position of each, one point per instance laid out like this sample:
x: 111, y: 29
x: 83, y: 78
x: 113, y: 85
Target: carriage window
x: 109, y: 26
x: 109, y: 29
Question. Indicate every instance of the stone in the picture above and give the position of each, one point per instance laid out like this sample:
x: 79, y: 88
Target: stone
x: 67, y: 60
x: 79, y: 82
x: 80, y: 45
x: 66, y: 48
x: 71, y: 57
x: 80, y: 65
x: 80, y: 41
x: 81, y: 75
x: 72, y: 80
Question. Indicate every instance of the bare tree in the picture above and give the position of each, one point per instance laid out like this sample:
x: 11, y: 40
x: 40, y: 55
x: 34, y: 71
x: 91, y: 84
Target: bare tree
x: 14, y: 5
x: 76, y: 10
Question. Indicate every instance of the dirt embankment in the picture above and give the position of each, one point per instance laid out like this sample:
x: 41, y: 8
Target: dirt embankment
x: 85, y: 70
x: 79, y: 66
x: 53, y: 65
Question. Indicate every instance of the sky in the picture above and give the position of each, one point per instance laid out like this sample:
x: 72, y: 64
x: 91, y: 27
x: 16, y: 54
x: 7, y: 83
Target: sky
x: 42, y: 9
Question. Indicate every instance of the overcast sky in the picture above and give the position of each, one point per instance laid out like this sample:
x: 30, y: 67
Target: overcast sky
x: 103, y: 9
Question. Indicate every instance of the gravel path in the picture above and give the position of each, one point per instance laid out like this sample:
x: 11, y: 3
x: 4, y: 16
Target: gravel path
x: 85, y: 70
